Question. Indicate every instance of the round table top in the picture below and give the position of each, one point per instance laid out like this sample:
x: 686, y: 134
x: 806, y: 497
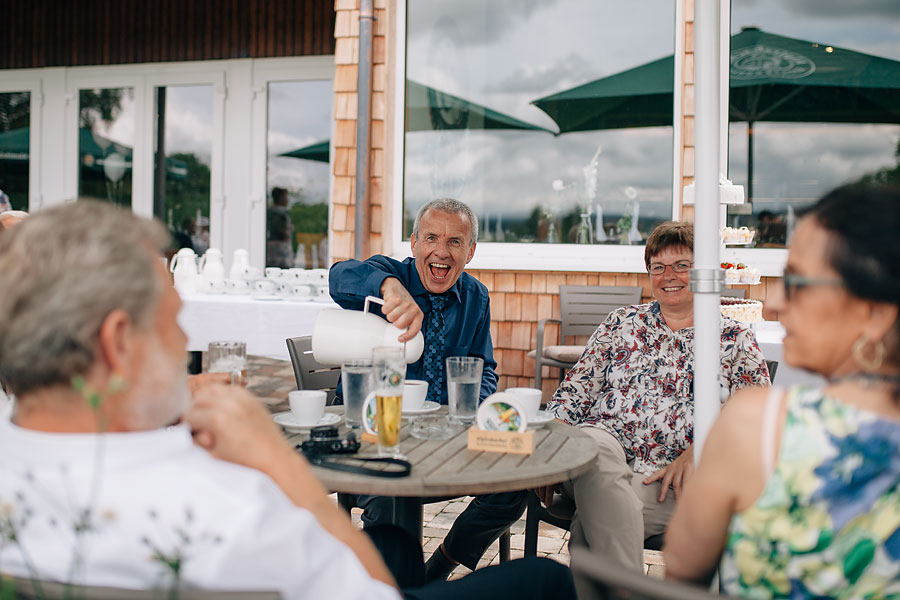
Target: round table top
x: 449, y: 468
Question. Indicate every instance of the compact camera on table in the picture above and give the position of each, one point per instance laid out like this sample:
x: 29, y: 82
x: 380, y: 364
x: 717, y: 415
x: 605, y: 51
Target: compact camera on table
x: 325, y: 440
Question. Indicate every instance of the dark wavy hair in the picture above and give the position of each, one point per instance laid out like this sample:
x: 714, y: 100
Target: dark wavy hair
x: 864, y: 223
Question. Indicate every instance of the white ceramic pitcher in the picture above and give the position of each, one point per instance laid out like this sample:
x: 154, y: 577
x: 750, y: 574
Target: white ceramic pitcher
x: 212, y: 271
x: 239, y: 264
x: 342, y: 335
x: 184, y: 268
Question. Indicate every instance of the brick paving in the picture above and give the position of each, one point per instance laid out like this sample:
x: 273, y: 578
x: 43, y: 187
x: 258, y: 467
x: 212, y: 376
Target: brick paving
x: 271, y: 380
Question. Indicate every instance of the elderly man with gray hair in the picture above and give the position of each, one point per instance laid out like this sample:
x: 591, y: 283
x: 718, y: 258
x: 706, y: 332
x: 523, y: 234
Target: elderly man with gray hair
x: 98, y: 487
x: 431, y: 289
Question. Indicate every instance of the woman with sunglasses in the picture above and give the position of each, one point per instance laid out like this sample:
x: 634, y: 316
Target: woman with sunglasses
x: 632, y: 391
x: 798, y: 491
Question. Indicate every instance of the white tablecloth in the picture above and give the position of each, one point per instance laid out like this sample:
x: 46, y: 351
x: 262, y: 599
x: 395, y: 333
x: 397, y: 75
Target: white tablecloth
x: 769, y: 336
x: 262, y: 324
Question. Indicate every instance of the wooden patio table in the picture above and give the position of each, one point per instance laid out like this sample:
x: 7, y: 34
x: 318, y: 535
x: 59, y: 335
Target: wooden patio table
x: 447, y: 468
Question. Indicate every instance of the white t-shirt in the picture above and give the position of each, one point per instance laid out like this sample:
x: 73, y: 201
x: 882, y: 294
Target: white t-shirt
x: 155, y: 498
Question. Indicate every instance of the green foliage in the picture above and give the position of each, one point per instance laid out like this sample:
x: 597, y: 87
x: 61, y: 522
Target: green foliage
x: 103, y: 104
x: 186, y: 196
x: 310, y: 218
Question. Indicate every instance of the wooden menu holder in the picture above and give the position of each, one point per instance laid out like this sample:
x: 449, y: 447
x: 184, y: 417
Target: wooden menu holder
x: 510, y: 442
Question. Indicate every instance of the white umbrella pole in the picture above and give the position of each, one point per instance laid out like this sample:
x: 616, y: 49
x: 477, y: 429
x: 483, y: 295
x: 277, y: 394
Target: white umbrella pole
x: 706, y: 278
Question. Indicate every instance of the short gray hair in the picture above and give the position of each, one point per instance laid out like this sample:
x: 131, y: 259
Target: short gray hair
x: 452, y: 206
x: 62, y: 272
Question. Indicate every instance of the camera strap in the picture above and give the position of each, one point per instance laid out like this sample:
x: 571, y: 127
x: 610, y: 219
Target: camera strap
x: 395, y: 467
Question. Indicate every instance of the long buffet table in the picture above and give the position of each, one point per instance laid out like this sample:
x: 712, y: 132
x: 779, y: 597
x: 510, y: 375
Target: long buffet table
x: 262, y: 324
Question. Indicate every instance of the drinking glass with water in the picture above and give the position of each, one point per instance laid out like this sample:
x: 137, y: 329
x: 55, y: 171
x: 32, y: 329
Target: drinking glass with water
x: 357, y: 381
x: 463, y: 387
x: 229, y: 357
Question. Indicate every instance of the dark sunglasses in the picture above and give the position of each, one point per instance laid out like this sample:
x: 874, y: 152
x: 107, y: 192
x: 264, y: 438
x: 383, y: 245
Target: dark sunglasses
x: 792, y: 283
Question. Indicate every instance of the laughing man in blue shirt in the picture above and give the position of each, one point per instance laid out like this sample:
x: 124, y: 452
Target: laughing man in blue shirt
x: 442, y: 243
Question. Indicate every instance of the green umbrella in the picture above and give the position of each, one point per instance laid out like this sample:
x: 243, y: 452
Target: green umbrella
x: 428, y: 109
x: 318, y: 151
x: 773, y: 78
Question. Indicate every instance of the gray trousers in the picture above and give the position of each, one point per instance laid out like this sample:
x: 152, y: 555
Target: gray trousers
x: 614, y: 510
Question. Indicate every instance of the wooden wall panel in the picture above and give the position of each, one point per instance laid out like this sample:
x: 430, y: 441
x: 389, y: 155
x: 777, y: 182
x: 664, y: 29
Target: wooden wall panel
x: 63, y: 33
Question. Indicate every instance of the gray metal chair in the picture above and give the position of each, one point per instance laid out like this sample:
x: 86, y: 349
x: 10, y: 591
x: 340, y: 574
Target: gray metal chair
x: 582, y: 308
x: 310, y: 373
x: 773, y: 366
x: 30, y: 589
x: 612, y: 582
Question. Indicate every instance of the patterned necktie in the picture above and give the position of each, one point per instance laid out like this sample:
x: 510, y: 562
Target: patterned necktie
x: 434, y: 349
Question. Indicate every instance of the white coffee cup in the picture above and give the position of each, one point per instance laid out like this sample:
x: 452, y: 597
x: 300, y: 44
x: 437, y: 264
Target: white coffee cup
x: 530, y: 398
x: 273, y: 272
x: 307, y: 406
x: 294, y: 274
x: 265, y: 286
x: 236, y: 286
x: 300, y: 290
x: 414, y: 393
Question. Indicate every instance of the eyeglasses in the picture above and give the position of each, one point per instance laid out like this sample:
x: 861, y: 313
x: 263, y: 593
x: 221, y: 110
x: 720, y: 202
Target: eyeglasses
x: 793, y: 282
x: 682, y: 266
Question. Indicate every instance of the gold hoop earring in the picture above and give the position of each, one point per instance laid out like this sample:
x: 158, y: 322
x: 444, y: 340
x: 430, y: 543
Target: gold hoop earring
x: 859, y: 355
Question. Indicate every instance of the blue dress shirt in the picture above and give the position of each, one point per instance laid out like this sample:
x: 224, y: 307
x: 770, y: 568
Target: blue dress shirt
x: 467, y: 314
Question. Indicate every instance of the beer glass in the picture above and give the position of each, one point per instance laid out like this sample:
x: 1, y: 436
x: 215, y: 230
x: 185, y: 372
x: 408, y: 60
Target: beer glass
x: 463, y: 387
x: 229, y: 357
x: 389, y: 368
x: 357, y: 381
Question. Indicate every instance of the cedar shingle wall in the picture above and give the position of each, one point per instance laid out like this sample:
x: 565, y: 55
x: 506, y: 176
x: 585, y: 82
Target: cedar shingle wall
x: 57, y: 33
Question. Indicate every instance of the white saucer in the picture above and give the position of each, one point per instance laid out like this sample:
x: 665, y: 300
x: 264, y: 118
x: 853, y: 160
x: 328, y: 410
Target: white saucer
x: 267, y: 297
x: 540, y: 419
x: 427, y: 407
x: 286, y: 419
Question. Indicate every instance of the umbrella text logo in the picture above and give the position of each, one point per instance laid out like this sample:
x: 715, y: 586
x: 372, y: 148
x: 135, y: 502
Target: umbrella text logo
x: 765, y: 62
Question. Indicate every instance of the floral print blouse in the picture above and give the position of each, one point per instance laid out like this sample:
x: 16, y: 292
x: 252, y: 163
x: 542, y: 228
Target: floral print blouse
x: 635, y: 380
x: 827, y: 524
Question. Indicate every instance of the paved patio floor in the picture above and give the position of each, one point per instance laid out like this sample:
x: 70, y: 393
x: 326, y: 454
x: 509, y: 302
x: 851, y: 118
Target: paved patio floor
x: 271, y: 380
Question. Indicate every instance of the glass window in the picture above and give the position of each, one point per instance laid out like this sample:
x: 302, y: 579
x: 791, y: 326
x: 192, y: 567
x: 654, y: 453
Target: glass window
x: 15, y: 118
x: 814, y: 97
x: 105, y: 141
x: 552, y: 120
x: 182, y: 163
x: 298, y: 174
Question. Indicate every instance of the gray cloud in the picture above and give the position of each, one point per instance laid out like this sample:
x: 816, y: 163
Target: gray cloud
x: 471, y: 22
x: 840, y: 8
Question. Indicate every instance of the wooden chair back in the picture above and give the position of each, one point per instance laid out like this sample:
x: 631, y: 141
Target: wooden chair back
x: 583, y: 307
x: 28, y: 589
x: 310, y: 373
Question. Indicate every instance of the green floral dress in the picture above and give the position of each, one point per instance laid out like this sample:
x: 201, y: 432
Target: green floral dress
x: 827, y: 524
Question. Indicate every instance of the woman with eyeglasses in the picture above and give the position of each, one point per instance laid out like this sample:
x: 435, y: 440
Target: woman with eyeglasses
x: 798, y: 490
x: 632, y: 391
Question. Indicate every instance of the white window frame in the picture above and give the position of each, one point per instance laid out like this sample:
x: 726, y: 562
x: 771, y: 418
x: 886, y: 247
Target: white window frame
x: 238, y: 160
x: 530, y: 257
x: 31, y: 84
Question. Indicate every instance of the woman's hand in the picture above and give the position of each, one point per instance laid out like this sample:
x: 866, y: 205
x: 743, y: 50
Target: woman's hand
x: 545, y: 493
x: 675, y: 474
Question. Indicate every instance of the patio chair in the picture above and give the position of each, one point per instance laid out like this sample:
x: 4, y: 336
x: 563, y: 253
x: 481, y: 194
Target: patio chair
x: 28, y: 589
x: 611, y: 582
x: 309, y: 373
x: 582, y: 308
x: 563, y: 509
x: 773, y: 366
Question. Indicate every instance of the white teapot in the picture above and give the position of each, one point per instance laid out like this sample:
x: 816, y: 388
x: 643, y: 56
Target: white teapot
x: 212, y: 271
x: 184, y: 268
x: 239, y: 264
x: 342, y: 335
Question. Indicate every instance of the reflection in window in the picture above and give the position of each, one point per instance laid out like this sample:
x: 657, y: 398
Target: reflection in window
x: 489, y: 87
x: 15, y: 118
x: 298, y: 174
x: 105, y: 142
x: 181, y: 163
x: 813, y: 105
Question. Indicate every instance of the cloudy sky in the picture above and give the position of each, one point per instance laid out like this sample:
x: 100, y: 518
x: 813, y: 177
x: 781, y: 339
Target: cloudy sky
x: 506, y: 53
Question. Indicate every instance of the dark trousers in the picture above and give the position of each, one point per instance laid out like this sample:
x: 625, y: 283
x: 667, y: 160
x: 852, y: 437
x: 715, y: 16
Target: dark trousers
x: 474, y: 530
x: 522, y: 579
